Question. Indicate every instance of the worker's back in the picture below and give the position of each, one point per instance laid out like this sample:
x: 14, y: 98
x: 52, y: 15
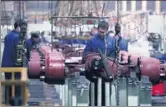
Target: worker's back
x: 31, y: 44
x: 9, y: 53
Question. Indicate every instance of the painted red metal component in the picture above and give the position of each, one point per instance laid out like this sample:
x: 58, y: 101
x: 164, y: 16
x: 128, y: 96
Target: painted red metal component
x: 55, y: 66
x: 158, y: 90
x: 34, y: 68
x: 34, y: 64
x: 53, y: 63
x: 149, y: 66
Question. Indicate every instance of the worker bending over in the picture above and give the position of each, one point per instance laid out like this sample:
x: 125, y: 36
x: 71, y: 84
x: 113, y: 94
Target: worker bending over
x: 32, y: 43
x: 106, y: 44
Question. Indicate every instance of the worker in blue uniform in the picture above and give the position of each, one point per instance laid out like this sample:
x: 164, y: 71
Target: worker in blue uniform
x: 111, y: 33
x: 9, y: 60
x: 100, y: 41
x: 104, y: 42
x: 32, y: 43
x: 107, y: 45
x: 10, y: 43
x: 43, y: 39
x: 159, y: 56
x: 66, y: 41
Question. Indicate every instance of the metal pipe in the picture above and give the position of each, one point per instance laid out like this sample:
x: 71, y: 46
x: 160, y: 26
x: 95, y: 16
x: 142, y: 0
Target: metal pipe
x: 63, y: 95
x: 92, y: 89
x: 52, y: 22
x: 76, y: 17
x: 66, y: 92
x: 107, y: 94
x: 61, y: 92
x: 99, y: 93
x: 74, y: 93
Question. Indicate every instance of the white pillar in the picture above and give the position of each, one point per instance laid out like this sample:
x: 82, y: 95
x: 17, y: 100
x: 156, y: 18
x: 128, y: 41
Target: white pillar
x: 124, y: 6
x: 133, y: 6
x: 144, y: 6
x: 116, y: 6
x: 157, y: 7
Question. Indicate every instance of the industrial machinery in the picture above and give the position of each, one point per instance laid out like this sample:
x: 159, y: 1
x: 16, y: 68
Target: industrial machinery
x: 51, y: 67
x: 113, y: 81
x: 47, y: 64
x: 126, y: 80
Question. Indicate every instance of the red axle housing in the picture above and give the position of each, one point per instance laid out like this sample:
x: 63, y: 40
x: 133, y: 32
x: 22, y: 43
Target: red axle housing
x: 52, y: 67
x: 150, y: 67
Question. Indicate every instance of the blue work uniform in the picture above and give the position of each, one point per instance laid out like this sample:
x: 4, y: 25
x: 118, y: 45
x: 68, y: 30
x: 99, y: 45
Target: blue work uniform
x: 9, y: 54
x: 44, y: 40
x: 109, y: 45
x: 123, y: 44
x: 9, y: 60
x: 98, y: 43
x: 84, y: 42
x: 79, y: 41
x: 66, y: 41
x: 163, y: 57
x: 30, y: 44
x: 160, y: 56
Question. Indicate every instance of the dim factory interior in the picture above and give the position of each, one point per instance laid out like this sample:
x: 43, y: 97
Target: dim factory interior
x: 82, y: 53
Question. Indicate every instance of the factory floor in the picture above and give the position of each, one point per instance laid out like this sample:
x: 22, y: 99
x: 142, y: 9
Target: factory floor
x: 50, y: 94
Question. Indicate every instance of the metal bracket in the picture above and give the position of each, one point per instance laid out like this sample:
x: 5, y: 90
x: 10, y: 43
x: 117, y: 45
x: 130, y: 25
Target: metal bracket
x: 145, y: 92
x: 82, y: 91
x: 145, y: 83
x: 133, y: 75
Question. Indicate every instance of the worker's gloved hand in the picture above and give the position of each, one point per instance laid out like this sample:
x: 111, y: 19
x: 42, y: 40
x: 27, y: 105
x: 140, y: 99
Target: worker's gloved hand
x: 34, y: 47
x: 37, y: 46
x: 25, y: 50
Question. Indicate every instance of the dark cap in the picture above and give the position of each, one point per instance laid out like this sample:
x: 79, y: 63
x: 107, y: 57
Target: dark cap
x: 19, y: 23
x: 34, y: 34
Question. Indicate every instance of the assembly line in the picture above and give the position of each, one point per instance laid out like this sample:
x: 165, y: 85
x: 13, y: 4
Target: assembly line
x: 75, y: 67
